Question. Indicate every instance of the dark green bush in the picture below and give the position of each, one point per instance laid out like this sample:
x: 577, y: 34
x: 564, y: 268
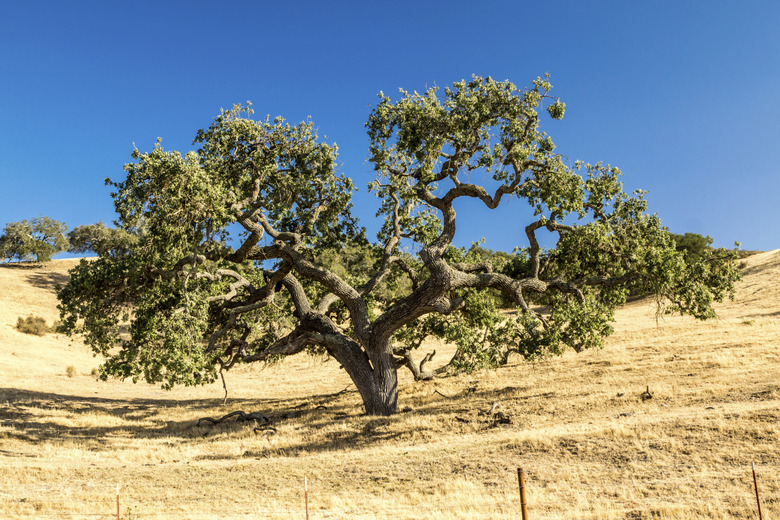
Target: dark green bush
x: 693, y: 245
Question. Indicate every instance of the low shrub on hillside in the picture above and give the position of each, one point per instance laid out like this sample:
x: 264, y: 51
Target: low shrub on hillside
x: 32, y: 325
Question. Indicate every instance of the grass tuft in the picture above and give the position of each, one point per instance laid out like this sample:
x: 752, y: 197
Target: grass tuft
x: 32, y: 325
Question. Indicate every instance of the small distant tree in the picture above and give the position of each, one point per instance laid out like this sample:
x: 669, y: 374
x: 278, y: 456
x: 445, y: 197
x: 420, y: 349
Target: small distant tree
x: 16, y: 241
x: 39, y: 239
x: 250, y: 251
x: 693, y: 245
x: 100, y: 239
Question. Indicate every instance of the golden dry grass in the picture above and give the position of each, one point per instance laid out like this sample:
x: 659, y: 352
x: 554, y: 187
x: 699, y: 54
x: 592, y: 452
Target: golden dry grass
x: 590, y: 446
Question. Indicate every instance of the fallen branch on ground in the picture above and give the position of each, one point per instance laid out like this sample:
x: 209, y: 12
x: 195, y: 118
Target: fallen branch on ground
x: 267, y: 430
x: 242, y: 416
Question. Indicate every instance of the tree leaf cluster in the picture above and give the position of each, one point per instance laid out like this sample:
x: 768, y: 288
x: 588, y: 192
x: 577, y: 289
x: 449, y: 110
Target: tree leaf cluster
x: 39, y: 239
x: 246, y: 250
x: 100, y: 239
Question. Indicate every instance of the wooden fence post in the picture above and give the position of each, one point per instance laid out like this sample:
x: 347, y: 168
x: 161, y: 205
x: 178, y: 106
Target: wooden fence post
x: 117, y: 501
x: 306, y: 495
x: 522, y: 493
x: 755, y: 484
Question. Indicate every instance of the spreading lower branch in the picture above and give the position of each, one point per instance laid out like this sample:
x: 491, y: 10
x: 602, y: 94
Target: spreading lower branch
x: 240, y: 415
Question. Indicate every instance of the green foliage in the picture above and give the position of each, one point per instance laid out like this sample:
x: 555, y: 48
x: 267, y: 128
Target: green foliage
x: 693, y: 245
x: 70, y: 371
x: 164, y: 346
x: 98, y: 238
x: 183, y: 206
x: 33, y: 325
x: 486, y: 335
x: 614, y: 248
x: 41, y: 239
x: 246, y: 249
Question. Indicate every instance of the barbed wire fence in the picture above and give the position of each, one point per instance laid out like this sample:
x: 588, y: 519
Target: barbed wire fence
x: 763, y: 493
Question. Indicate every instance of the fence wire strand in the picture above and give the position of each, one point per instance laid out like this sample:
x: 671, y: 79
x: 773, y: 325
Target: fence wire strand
x: 594, y: 495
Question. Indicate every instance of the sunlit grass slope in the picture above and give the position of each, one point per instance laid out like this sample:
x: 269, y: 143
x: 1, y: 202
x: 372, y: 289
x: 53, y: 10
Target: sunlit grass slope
x: 593, y: 445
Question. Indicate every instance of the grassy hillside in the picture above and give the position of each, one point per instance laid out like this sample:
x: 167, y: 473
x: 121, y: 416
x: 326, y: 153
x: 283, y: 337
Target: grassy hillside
x: 590, y: 444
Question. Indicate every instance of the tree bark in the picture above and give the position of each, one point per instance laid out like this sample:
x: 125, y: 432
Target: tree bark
x: 384, y: 399
x: 373, y: 371
x: 378, y: 386
x: 376, y: 379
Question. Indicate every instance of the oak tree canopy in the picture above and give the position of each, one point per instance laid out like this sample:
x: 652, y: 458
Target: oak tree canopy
x: 40, y: 239
x: 248, y: 249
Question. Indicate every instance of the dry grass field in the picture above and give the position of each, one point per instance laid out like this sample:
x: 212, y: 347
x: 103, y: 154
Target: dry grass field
x: 591, y: 446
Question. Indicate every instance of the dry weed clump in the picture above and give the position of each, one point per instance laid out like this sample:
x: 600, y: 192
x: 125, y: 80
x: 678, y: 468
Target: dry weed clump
x: 33, y: 325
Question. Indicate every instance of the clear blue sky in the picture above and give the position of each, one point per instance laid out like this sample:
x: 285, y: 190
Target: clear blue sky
x: 683, y: 96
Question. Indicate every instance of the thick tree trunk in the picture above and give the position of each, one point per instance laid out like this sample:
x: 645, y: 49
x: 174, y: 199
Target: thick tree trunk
x: 384, y: 398
x: 377, y: 380
x: 378, y: 391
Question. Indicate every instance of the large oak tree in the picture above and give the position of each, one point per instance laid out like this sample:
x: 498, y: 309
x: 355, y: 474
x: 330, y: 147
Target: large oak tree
x: 248, y: 249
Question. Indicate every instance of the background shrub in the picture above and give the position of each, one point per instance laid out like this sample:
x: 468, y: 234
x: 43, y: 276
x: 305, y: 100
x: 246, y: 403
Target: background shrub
x: 32, y: 325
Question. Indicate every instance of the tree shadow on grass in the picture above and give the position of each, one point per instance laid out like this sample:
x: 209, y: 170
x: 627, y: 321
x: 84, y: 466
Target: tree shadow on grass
x: 467, y: 411
x: 47, y: 280
x: 41, y: 416
x: 335, y: 421
x: 21, y: 265
x: 38, y: 274
x: 34, y: 416
x: 759, y: 314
